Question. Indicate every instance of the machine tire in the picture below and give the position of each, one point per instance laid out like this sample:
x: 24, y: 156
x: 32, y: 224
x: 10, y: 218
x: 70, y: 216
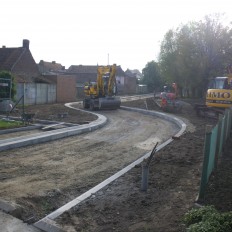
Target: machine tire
x: 85, y: 104
x: 92, y: 108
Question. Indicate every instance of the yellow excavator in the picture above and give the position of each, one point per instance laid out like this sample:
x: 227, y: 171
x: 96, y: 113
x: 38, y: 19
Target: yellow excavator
x: 218, y: 96
x: 219, y: 93
x: 102, y: 93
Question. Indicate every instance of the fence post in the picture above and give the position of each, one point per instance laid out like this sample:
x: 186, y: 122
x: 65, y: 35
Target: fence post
x: 204, y: 174
x: 226, y: 124
x: 219, y: 141
x: 230, y: 121
x: 145, y: 170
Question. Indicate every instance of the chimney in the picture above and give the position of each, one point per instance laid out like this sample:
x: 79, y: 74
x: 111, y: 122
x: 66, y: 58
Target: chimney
x: 26, y: 43
x: 53, y: 62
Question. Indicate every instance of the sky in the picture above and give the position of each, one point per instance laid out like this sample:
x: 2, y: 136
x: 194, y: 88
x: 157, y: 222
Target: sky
x: 91, y: 32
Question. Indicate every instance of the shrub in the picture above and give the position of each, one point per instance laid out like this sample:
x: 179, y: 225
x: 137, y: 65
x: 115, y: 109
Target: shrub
x: 8, y: 91
x: 208, y: 219
x: 196, y: 215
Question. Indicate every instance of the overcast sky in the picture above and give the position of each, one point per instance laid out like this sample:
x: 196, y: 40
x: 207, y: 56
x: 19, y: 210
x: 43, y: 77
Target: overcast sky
x: 91, y: 32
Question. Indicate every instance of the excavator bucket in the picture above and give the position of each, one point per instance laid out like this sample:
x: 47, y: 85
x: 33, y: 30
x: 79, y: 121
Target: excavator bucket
x: 109, y: 103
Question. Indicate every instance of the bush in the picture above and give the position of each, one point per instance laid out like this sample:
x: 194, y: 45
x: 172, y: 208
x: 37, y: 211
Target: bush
x: 208, y: 219
x: 196, y: 215
x: 7, y: 91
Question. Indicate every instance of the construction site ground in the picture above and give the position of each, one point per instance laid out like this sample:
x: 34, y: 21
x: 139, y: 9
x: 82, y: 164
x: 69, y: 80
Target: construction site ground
x: 40, y: 181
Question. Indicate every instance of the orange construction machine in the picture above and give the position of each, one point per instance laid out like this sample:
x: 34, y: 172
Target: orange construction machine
x: 167, y: 100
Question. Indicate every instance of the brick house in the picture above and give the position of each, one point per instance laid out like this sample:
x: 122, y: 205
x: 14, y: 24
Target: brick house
x: 65, y: 83
x: 32, y: 87
x: 130, y: 82
x: 32, y: 84
x: 50, y: 67
x: 86, y: 73
x: 20, y: 62
x: 65, y: 87
x: 126, y: 83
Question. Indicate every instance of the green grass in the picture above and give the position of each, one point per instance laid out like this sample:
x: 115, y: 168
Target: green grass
x: 5, y: 124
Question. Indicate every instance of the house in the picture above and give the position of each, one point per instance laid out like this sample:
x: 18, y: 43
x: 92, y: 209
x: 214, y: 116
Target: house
x: 32, y: 87
x: 50, y: 67
x: 136, y: 72
x: 65, y: 87
x: 65, y: 83
x: 34, y: 82
x: 130, y: 82
x: 50, y: 82
x: 140, y: 89
x: 83, y: 73
x: 88, y: 73
x: 20, y: 62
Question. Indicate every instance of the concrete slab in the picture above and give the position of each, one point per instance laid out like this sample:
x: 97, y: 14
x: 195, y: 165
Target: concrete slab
x: 47, y: 224
x: 9, y: 223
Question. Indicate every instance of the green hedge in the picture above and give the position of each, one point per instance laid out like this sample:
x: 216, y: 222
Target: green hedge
x: 208, y: 219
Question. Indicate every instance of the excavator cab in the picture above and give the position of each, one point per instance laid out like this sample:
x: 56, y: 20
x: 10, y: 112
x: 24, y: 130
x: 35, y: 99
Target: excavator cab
x: 90, y: 88
x: 218, y: 96
x: 218, y: 83
x: 219, y: 93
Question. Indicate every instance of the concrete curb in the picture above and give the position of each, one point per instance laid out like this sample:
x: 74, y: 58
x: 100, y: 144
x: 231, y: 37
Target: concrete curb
x: 22, y: 141
x: 52, y: 216
x: 48, y: 225
x: 11, y: 208
x: 165, y: 116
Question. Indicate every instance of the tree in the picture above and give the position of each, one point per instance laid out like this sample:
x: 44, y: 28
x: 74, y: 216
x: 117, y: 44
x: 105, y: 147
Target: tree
x: 151, y: 76
x: 8, y: 85
x: 196, y: 52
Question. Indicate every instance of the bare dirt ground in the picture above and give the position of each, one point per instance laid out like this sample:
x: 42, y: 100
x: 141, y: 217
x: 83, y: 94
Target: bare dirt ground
x: 56, y: 112
x: 41, y: 178
x: 174, y: 177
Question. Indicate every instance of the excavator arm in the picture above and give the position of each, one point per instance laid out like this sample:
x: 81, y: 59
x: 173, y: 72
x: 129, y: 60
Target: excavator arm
x: 106, y: 80
x: 112, y: 81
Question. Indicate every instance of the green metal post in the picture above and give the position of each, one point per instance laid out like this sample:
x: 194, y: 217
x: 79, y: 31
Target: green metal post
x: 204, y: 174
